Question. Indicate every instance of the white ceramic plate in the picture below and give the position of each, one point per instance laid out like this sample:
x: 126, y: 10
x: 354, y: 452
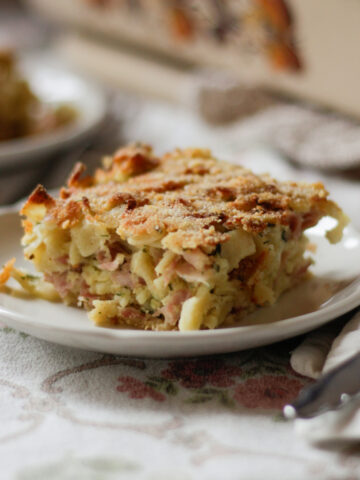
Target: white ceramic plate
x: 334, y: 290
x: 54, y: 84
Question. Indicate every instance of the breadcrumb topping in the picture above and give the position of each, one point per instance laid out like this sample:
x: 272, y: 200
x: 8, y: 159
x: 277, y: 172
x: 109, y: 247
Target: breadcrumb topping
x: 186, y: 198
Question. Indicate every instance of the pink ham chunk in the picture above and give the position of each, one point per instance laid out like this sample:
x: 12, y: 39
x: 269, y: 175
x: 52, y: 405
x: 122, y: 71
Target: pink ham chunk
x: 60, y: 282
x: 193, y: 267
x: 63, y: 259
x: 106, y: 263
x: 170, y: 271
x: 123, y: 278
x: 131, y: 313
x: 172, y: 310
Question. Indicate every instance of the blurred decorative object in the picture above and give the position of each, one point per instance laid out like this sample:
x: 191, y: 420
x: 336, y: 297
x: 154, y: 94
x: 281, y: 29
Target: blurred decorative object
x: 32, y: 111
x: 311, y: 137
x: 281, y: 44
x: 199, y: 30
x: 317, y: 139
x: 221, y: 98
x: 217, y: 95
x: 257, y: 26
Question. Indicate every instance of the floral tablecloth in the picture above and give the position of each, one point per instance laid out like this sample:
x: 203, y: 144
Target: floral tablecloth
x: 68, y: 414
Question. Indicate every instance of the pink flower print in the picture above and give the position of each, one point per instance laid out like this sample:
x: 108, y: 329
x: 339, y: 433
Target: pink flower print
x: 200, y: 372
x: 269, y: 391
x: 137, y: 389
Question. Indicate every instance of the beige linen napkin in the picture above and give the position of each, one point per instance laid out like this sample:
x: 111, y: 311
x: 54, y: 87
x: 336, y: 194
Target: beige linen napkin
x: 321, y: 351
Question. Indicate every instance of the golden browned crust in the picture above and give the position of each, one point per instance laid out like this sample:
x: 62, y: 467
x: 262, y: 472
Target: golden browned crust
x: 40, y: 196
x: 187, y: 195
x: 75, y: 179
x: 126, y: 162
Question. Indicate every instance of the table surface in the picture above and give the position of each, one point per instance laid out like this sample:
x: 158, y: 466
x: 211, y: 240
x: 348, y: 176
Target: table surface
x: 69, y: 414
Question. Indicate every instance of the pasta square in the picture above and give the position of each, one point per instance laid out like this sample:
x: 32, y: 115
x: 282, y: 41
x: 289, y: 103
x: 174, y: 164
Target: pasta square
x: 181, y: 242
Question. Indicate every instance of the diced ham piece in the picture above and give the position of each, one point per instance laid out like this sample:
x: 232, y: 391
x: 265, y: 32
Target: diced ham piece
x: 299, y: 223
x: 108, y: 264
x: 172, y: 310
x: 63, y: 259
x: 60, y: 282
x: 186, y: 270
x: 310, y: 219
x: 131, y: 313
x: 170, y: 271
x: 295, y: 224
x: 84, y: 290
x: 102, y: 257
x: 123, y: 278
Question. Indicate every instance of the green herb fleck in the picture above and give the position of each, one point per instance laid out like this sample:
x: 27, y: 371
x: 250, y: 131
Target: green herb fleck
x: 284, y: 236
x: 148, y: 310
x: 29, y: 277
x: 216, y: 267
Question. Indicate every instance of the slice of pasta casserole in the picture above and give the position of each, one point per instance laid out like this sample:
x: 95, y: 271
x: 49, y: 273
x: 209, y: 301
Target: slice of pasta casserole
x: 179, y: 242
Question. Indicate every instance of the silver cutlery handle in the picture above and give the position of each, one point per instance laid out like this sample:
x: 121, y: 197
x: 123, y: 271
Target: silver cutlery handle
x: 329, y: 392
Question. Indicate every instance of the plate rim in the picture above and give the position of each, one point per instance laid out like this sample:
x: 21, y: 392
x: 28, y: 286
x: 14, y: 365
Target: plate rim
x: 319, y: 317
x: 218, y: 332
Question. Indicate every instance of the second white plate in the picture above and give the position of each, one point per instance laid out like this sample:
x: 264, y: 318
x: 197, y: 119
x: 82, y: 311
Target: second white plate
x: 55, y: 85
x: 334, y: 290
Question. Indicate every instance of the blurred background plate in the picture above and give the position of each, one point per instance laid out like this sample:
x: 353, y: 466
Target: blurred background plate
x: 55, y: 84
